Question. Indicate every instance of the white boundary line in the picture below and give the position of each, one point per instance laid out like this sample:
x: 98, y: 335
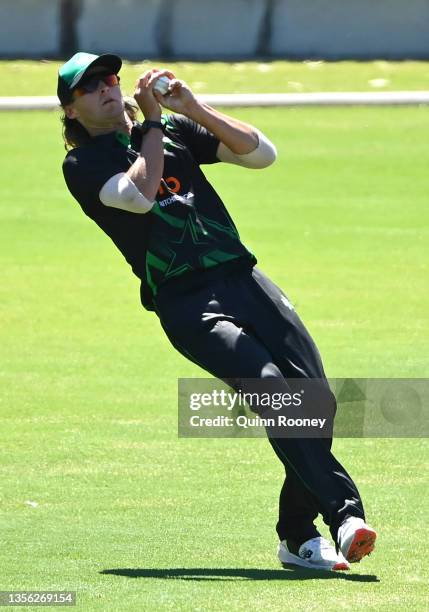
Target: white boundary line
x: 348, y: 98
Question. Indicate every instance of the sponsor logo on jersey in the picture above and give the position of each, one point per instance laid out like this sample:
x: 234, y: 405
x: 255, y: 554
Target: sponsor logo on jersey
x: 176, y: 198
x: 172, y: 184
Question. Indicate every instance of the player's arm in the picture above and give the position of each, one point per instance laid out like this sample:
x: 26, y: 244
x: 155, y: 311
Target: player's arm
x: 146, y: 172
x: 135, y: 190
x: 239, y: 142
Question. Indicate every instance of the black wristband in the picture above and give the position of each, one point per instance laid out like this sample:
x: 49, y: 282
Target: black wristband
x: 147, y: 124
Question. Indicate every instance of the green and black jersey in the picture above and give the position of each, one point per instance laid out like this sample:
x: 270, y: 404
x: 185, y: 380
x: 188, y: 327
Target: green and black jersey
x: 187, y: 229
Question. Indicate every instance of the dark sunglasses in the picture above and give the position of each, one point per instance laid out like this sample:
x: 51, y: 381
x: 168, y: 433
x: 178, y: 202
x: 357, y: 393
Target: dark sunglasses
x: 91, y: 84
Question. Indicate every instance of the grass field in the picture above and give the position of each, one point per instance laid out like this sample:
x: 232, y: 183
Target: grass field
x: 24, y: 78
x: 128, y: 515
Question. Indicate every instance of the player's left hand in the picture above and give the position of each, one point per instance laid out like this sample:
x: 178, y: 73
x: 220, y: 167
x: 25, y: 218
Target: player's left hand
x: 179, y: 98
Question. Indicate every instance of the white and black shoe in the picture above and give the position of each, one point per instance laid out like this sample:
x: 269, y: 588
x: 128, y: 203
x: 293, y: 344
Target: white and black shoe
x: 355, y: 539
x: 316, y: 553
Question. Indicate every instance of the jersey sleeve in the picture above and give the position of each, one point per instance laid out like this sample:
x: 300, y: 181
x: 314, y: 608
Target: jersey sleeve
x: 85, y: 173
x: 201, y: 143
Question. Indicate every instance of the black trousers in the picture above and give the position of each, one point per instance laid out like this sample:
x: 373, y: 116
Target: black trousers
x: 237, y: 324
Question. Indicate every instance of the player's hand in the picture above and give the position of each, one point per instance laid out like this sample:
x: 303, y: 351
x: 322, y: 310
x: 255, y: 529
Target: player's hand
x: 179, y: 98
x: 144, y: 94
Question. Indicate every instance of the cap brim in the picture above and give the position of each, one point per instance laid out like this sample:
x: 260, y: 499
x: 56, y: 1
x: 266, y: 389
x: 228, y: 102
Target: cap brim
x: 108, y: 60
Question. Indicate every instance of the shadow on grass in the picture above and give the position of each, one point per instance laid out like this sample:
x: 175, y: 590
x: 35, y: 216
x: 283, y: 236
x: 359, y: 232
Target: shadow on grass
x: 229, y: 573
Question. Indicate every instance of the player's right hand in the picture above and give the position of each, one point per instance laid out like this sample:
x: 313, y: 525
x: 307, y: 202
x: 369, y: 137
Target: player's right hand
x: 144, y: 95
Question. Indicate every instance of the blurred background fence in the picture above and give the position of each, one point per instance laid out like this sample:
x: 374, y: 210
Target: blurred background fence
x: 220, y: 29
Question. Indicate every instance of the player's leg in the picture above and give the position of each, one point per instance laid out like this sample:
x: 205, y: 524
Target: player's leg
x: 294, y: 351
x: 298, y: 509
x: 210, y: 327
x: 297, y: 505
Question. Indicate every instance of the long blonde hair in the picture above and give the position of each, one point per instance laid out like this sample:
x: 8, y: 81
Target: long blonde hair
x: 75, y: 135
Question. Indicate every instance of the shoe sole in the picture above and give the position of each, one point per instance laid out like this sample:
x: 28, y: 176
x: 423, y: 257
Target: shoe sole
x: 287, y: 559
x: 361, y: 545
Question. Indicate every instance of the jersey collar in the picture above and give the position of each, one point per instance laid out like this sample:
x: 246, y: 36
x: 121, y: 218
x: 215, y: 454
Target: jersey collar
x: 124, y: 139
x: 120, y: 138
x: 112, y: 138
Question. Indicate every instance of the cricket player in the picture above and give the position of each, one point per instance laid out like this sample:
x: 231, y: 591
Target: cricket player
x: 143, y: 185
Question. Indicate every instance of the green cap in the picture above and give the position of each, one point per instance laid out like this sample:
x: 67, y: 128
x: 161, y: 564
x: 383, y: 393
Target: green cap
x: 72, y: 72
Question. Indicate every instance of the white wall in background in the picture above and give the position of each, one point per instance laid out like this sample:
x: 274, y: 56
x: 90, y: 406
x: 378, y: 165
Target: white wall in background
x: 28, y: 27
x: 352, y: 28
x: 123, y: 26
x: 216, y: 29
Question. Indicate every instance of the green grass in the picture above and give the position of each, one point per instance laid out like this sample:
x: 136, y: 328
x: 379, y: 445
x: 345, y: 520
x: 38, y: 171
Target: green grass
x: 24, y: 78
x: 128, y: 515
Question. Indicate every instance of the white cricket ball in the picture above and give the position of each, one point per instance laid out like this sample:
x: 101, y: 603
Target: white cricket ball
x: 162, y: 85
